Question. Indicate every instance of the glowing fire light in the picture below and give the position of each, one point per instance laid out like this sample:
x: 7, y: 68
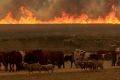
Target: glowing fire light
x: 29, y: 18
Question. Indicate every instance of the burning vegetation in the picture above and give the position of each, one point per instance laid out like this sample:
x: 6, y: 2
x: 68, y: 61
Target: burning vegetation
x: 59, y: 12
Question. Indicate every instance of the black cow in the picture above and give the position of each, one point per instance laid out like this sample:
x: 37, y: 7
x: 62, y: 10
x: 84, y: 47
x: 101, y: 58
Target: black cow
x: 97, y: 60
x: 95, y: 56
x: 1, y: 58
x: 106, y: 54
x: 32, y: 56
x: 114, y: 58
x: 11, y: 59
x: 56, y: 58
x: 36, y: 56
x: 69, y: 58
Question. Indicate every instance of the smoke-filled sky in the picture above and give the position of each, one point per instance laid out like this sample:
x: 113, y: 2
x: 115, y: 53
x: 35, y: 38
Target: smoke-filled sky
x: 47, y: 9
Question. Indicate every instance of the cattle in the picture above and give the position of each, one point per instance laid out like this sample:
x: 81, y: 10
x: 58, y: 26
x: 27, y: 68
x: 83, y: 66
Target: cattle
x: 91, y: 65
x: 12, y: 58
x: 117, y: 51
x: 100, y: 64
x: 78, y: 56
x: 5, y: 60
x: 69, y: 57
x: 15, y: 58
x: 114, y: 58
x: 56, y: 58
x: 48, y: 67
x: 118, y: 61
x: 44, y: 57
x: 32, y: 67
x: 105, y: 53
x: 97, y: 60
x: 32, y: 56
x: 88, y: 60
x: 81, y: 64
x: 95, y: 56
x: 1, y: 58
x: 38, y: 67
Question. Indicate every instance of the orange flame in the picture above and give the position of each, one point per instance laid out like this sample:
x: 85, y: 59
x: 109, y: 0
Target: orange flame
x: 29, y: 18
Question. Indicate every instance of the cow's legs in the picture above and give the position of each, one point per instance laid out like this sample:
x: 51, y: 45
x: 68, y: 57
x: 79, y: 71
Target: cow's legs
x: 17, y: 67
x: 6, y: 67
x: 71, y: 64
x: 0, y: 66
x: 63, y: 65
x: 11, y: 68
x: 59, y: 66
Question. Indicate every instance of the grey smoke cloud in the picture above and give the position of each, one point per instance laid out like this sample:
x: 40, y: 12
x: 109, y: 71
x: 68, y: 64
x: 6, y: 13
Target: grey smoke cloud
x: 48, y: 9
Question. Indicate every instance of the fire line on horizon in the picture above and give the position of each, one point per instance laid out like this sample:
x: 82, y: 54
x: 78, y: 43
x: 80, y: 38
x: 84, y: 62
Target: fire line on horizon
x: 28, y: 17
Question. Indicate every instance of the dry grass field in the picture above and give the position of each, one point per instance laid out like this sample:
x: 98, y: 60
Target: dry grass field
x: 67, y: 37
x: 109, y: 73
x: 86, y: 37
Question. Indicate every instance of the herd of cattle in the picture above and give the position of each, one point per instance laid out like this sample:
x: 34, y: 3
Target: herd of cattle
x: 46, y: 60
x: 19, y: 58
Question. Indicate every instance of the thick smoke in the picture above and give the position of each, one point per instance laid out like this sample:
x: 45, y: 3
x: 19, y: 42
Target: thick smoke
x: 118, y: 7
x: 48, y: 9
x: 4, y: 7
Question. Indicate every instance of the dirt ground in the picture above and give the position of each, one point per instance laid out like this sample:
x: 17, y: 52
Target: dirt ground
x: 109, y: 73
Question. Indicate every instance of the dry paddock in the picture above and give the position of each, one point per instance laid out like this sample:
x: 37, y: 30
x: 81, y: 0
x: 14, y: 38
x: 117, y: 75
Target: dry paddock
x: 109, y: 73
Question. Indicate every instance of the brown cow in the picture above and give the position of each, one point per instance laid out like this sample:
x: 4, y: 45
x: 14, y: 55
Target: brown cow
x: 44, y: 57
x: 56, y: 58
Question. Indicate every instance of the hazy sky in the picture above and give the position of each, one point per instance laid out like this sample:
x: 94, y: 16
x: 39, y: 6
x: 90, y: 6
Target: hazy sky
x: 47, y: 9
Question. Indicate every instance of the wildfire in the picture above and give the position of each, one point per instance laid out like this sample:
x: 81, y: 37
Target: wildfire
x: 29, y: 18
